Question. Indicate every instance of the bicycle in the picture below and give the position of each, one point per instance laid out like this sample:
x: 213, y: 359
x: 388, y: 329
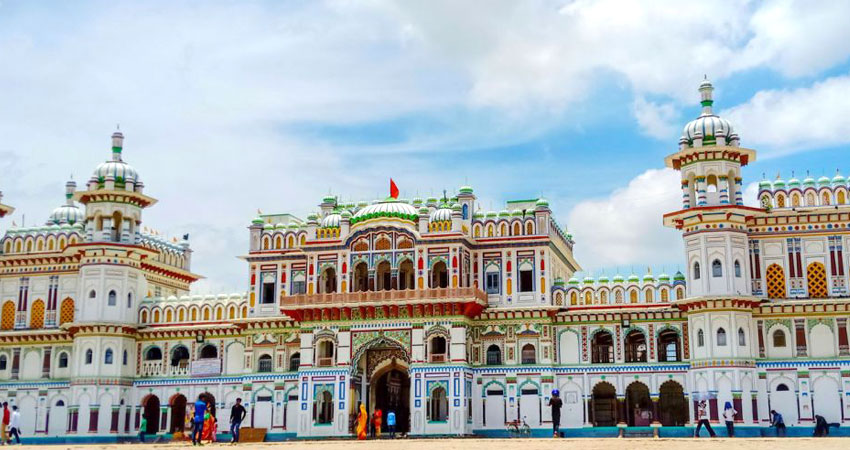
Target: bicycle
x: 517, y: 429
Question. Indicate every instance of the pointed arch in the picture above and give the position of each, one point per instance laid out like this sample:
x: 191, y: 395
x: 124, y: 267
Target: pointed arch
x: 7, y: 320
x: 775, y: 281
x: 37, y: 314
x: 816, y: 280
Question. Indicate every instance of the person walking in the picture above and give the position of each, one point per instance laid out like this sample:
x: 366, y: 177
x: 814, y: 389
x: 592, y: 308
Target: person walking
x: 777, y: 421
x: 391, y: 423
x: 143, y: 428
x: 237, y: 415
x: 362, y: 423
x: 555, y: 403
x: 198, y: 422
x: 4, y: 424
x: 377, y: 422
x: 15, y: 426
x: 729, y: 416
x: 702, y: 416
x: 210, y: 425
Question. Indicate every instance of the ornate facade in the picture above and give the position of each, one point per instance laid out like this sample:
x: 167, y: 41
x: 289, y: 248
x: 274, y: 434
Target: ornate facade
x: 457, y: 320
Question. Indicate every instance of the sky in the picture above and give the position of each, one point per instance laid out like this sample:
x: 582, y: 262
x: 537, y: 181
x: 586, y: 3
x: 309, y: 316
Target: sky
x: 232, y: 107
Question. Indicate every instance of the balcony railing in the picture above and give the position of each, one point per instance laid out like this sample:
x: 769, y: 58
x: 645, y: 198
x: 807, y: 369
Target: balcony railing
x: 158, y: 369
x: 325, y: 361
x: 264, y: 365
x: 391, y: 296
x: 438, y: 357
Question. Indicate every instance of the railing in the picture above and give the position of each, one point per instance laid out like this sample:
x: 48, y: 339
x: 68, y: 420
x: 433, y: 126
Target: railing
x: 325, y: 361
x: 50, y: 319
x: 438, y: 357
x: 20, y: 320
x: 390, y: 296
x: 151, y: 368
x: 264, y: 365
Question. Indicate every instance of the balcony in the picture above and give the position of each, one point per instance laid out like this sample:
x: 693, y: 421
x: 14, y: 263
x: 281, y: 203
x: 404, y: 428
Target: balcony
x: 438, y: 357
x: 473, y: 300
x: 200, y: 368
x: 325, y: 361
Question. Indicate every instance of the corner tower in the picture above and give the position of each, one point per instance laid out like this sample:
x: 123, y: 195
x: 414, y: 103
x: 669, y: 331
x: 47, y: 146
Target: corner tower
x: 713, y: 217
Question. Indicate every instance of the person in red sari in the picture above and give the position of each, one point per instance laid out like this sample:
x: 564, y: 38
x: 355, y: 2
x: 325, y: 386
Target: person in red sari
x: 377, y: 420
x: 210, y: 428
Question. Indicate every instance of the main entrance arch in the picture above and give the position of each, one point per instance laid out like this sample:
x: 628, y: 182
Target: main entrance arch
x: 381, y: 380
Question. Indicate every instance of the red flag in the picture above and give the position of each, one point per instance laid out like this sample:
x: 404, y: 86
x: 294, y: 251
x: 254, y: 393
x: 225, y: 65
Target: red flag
x: 393, y: 189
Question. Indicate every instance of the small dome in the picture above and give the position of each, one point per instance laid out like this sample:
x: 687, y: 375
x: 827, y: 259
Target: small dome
x: 418, y: 201
x: 824, y: 181
x: 66, y: 214
x: 329, y: 199
x: 387, y: 208
x: 119, y: 171
x: 362, y: 204
x: 618, y: 278
x: 559, y: 281
x: 465, y: 189
x: 457, y: 207
x: 765, y: 184
x: 478, y: 215
x: 708, y: 125
x: 573, y: 281
x: 441, y: 215
x: 504, y: 213
x: 793, y: 183
x: 542, y: 202
x: 257, y: 221
x: 809, y: 182
x: 331, y: 221
x: 431, y: 201
x: 648, y: 278
x: 516, y: 213
x: 633, y: 278
x: 679, y: 276
x: 588, y: 280
x: 423, y: 210
x: 663, y: 277
x: 779, y: 183
x: 345, y: 215
x: 312, y: 217
x: 268, y: 226
x: 603, y: 279
x: 491, y: 214
x: 838, y: 179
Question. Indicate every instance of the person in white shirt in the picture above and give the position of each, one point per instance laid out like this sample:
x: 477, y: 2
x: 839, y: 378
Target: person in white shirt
x: 702, y: 416
x: 729, y: 416
x: 15, y: 425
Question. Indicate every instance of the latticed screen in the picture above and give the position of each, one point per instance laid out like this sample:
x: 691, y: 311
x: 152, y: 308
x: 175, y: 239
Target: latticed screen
x: 37, y: 315
x: 775, y: 281
x: 816, y: 278
x: 7, y: 322
x: 66, y: 311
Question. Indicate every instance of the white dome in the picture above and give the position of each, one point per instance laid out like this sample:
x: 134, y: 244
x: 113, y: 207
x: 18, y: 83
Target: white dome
x: 120, y: 171
x: 66, y: 214
x: 441, y: 215
x: 330, y: 221
x: 386, y: 209
x: 709, y: 126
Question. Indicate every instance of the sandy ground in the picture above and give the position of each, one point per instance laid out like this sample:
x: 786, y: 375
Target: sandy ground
x: 514, y: 444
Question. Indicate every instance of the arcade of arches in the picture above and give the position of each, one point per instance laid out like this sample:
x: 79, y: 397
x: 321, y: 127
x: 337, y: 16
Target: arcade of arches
x: 636, y: 407
x: 174, y: 419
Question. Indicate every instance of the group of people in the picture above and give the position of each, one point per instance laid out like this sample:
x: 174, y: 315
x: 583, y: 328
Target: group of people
x: 11, y: 425
x: 362, y: 423
x: 204, y: 424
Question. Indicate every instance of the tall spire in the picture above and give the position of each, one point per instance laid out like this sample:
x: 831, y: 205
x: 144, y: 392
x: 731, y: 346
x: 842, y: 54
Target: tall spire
x: 117, y: 144
x: 706, y: 89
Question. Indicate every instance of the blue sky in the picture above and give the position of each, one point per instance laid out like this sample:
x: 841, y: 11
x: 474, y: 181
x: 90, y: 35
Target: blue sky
x: 230, y: 107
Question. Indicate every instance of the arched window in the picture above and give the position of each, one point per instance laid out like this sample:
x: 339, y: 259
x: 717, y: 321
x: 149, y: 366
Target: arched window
x: 825, y: 197
x: 3, y: 362
x: 633, y: 296
x: 494, y: 355
x: 696, y: 271
x: 517, y: 229
x: 737, y: 269
x: 716, y: 269
x: 529, y: 356
x: 92, y: 294
x: 476, y: 231
x: 129, y: 300
x: 124, y: 358
x: 668, y: 346
x: 63, y: 360
x: 264, y: 363
x: 180, y: 356
x: 112, y: 298
x: 602, y: 348
x: 779, y: 338
x: 721, y: 337
x: 782, y: 387
x: 437, y: 349
x: 89, y: 356
x: 153, y: 354
x: 107, y: 357
x: 780, y: 201
x: 700, y: 338
x: 323, y: 408
x: 209, y: 351
x: 680, y: 293
x: 775, y: 281
x: 742, y: 337
x: 438, y: 405
x: 294, y: 362
x: 529, y: 228
x: 326, y: 353
x: 635, y: 346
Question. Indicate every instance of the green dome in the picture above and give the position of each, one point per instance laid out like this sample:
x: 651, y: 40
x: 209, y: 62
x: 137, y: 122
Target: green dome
x: 478, y: 214
x: 345, y: 215
x: 465, y: 189
x: 573, y: 281
x: 504, y: 213
x: 663, y: 277
x: 764, y: 184
x: 779, y: 184
x: 268, y: 226
x: 793, y: 183
x: 633, y: 278
x: 603, y: 279
x: 431, y: 200
x: 329, y: 199
x: 516, y: 213
x: 423, y: 210
x: 618, y: 278
x: 257, y: 221
x: 387, y: 208
x: 679, y: 276
x: 648, y: 278
x: 809, y: 181
x: 559, y: 281
x: 457, y: 207
x: 588, y: 280
x: 824, y: 181
x: 312, y: 217
x: 491, y: 214
x: 418, y: 201
x: 293, y: 226
x: 838, y: 179
x: 542, y: 202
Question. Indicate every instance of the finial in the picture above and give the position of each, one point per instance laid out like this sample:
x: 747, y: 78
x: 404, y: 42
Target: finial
x: 118, y: 126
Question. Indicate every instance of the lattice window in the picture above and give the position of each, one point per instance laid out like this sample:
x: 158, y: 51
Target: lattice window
x: 775, y: 281
x: 361, y: 246
x: 66, y: 311
x: 37, y: 315
x: 7, y: 322
x: 382, y: 244
x: 816, y: 278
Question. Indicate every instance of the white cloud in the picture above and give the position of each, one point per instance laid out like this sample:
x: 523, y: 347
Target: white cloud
x: 655, y: 119
x: 777, y: 122
x: 626, y: 228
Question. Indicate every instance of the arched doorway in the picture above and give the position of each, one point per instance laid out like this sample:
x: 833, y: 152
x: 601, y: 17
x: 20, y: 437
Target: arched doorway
x: 210, y: 401
x: 361, y: 277
x: 392, y: 393
x: 178, y: 414
x: 150, y: 408
x: 638, y: 405
x: 672, y: 406
x: 439, y: 275
x: 405, y: 275
x: 603, y: 407
x: 383, y: 277
x: 328, y: 281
